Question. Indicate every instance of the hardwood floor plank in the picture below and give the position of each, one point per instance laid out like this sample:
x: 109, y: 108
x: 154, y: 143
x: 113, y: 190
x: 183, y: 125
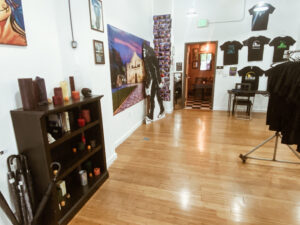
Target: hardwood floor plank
x: 185, y: 169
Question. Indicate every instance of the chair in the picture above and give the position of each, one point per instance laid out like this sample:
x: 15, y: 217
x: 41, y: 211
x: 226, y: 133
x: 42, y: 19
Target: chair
x: 242, y: 98
x: 200, y: 87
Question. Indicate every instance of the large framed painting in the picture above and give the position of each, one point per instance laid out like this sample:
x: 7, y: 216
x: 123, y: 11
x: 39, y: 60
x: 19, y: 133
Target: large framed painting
x: 12, y: 27
x: 127, y: 68
x: 98, y: 52
x: 96, y: 15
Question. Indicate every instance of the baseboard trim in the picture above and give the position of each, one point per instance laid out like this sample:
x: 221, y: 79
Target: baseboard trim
x: 254, y: 110
x: 259, y: 110
x: 169, y: 111
x: 168, y: 106
x: 112, y: 159
x: 127, y: 134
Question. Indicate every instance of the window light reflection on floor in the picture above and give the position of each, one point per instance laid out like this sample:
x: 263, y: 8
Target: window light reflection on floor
x: 201, y: 136
x: 184, y: 198
x: 237, y: 208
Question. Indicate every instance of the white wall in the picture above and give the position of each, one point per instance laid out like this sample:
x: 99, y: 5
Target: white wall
x: 49, y: 55
x: 282, y: 22
x: 40, y: 58
x: 161, y: 7
x: 134, y: 17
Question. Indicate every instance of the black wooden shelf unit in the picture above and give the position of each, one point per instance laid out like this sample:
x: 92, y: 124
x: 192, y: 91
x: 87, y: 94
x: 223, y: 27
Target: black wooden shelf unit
x: 31, y: 131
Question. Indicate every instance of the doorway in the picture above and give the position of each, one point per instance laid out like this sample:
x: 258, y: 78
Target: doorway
x: 200, y: 70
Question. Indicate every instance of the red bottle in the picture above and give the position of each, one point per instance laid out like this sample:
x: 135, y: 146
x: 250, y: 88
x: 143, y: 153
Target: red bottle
x: 81, y: 122
x: 86, y: 115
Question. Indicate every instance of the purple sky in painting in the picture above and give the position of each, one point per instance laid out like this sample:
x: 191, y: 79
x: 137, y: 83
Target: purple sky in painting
x: 126, y: 44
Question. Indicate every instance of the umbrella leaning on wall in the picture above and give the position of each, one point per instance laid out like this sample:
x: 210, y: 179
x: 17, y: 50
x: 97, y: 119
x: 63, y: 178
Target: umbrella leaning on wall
x: 18, y: 184
x: 20, y: 195
x: 55, y: 167
x: 13, y: 186
x: 23, y: 192
x: 29, y: 181
x: 4, y: 205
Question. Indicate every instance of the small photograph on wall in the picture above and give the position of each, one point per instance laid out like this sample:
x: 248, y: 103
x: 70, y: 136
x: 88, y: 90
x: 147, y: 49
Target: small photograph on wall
x: 12, y: 27
x: 99, y: 52
x: 179, y: 66
x: 96, y: 15
x: 232, y: 71
x: 195, y: 54
x: 195, y: 65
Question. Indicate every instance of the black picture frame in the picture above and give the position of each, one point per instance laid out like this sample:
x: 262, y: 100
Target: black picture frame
x: 195, y: 55
x: 99, y: 52
x: 96, y: 21
x: 195, y: 64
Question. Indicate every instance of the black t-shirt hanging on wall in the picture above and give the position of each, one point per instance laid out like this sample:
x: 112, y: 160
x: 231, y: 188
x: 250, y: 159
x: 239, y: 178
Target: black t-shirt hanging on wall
x: 251, y: 74
x: 260, y: 13
x: 256, y: 47
x: 231, y: 52
x: 280, y: 45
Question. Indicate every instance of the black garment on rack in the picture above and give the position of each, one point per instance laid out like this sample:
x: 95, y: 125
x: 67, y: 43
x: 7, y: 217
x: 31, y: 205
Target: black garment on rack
x: 284, y: 103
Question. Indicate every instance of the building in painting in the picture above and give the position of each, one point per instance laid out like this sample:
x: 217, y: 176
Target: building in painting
x: 135, y: 70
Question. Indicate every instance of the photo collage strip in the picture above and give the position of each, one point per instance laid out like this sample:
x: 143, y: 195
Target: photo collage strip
x: 162, y: 48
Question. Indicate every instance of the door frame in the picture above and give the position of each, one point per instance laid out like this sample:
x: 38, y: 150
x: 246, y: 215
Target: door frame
x: 185, y: 67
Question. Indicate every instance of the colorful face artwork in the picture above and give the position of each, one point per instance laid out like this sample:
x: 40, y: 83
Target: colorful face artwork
x: 12, y: 28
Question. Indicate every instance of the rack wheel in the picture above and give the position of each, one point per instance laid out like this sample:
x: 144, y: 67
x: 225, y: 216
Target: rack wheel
x: 243, y: 158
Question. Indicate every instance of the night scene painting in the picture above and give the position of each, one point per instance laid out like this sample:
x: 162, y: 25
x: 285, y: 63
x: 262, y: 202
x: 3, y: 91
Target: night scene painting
x: 127, y: 69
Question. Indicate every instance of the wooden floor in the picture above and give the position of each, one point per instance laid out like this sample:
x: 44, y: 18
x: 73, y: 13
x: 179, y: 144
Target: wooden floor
x: 185, y: 169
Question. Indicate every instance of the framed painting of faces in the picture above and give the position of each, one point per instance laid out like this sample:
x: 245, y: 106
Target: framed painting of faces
x: 99, y: 52
x: 12, y: 28
x: 96, y: 15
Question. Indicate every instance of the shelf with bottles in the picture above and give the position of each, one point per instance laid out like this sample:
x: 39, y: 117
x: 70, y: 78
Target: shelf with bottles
x: 62, y: 126
x: 76, y: 150
x: 31, y: 130
x: 82, y: 181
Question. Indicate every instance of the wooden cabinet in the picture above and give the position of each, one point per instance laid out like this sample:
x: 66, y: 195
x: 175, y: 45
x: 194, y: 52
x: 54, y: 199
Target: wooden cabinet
x: 31, y: 132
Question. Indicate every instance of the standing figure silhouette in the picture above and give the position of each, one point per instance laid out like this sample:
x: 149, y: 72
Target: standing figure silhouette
x: 153, y: 80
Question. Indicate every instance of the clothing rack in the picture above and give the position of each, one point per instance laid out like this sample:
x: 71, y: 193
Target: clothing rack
x: 290, y: 53
x: 277, y: 135
x: 289, y: 57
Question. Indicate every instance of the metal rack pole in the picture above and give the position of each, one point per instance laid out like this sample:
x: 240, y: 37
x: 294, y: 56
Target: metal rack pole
x: 276, y: 136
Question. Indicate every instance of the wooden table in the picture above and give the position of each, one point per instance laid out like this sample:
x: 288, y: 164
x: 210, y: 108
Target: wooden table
x: 202, y: 88
x: 235, y: 91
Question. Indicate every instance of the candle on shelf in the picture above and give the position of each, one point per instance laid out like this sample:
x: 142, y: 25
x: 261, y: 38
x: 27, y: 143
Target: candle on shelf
x: 75, y: 95
x: 57, y: 100
x: 65, y: 92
